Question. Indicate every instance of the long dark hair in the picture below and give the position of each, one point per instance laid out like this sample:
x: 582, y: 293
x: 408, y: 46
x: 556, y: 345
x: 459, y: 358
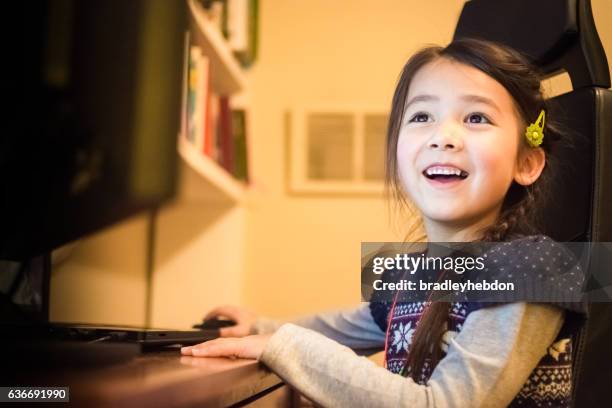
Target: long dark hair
x: 523, y: 81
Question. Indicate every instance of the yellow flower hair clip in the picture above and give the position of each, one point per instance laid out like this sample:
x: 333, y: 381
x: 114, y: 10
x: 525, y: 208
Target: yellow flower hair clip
x: 535, y: 131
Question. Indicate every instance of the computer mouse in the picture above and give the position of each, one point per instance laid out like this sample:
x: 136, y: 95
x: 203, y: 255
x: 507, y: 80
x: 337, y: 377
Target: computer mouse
x: 214, y: 323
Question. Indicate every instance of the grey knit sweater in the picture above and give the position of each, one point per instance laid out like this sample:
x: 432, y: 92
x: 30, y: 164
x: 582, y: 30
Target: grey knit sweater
x: 486, y: 363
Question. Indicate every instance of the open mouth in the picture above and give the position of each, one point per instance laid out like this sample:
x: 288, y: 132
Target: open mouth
x: 445, y: 174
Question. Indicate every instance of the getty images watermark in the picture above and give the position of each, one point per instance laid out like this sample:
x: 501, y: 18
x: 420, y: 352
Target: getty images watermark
x: 533, y: 268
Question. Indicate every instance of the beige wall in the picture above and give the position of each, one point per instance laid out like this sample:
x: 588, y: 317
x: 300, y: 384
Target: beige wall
x: 602, y: 11
x: 301, y: 253
x: 102, y: 277
x: 198, y: 261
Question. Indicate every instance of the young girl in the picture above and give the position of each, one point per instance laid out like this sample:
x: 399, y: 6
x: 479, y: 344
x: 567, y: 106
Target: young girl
x: 461, y: 149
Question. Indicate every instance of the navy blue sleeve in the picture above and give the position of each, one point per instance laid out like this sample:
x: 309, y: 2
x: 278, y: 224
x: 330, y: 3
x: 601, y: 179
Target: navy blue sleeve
x: 380, y: 314
x: 545, y: 272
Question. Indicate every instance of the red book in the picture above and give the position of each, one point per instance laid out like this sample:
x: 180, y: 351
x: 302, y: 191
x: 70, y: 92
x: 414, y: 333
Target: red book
x: 225, y: 134
x: 208, y: 129
x: 211, y: 147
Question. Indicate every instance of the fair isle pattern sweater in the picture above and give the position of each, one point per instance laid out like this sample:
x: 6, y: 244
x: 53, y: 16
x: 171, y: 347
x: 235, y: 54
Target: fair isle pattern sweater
x: 550, y: 382
x: 549, y: 385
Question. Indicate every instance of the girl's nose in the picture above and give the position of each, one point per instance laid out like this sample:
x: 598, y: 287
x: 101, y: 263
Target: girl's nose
x: 445, y: 139
x: 443, y: 146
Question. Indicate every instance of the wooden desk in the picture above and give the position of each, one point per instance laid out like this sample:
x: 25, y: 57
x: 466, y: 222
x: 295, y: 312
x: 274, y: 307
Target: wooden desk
x: 150, y: 379
x: 167, y: 379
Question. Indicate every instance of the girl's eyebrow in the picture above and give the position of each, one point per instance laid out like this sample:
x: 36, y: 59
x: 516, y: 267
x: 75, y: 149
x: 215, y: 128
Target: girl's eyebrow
x: 421, y: 98
x: 467, y: 98
x: 481, y: 99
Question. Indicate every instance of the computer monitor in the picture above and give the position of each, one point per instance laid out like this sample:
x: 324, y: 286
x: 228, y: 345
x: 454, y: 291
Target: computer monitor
x: 92, y: 94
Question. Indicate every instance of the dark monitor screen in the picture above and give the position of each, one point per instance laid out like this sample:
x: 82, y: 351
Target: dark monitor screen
x: 92, y: 95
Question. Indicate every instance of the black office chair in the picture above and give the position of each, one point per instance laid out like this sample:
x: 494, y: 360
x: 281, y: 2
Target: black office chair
x: 559, y: 35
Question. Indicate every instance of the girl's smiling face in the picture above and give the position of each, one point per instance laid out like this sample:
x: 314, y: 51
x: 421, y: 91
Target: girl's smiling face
x: 458, y: 120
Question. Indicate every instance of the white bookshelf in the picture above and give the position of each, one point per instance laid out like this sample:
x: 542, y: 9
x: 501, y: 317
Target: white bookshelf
x: 199, y: 253
x: 204, y: 180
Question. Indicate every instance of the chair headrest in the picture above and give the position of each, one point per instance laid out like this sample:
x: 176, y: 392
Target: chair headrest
x: 556, y: 35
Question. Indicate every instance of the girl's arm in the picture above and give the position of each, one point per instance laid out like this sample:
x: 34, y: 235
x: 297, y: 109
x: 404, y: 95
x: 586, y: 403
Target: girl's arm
x: 354, y: 328
x: 487, y: 363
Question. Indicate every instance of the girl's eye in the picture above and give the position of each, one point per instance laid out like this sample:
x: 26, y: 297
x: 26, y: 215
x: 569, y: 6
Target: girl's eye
x: 479, y: 117
x: 419, y: 117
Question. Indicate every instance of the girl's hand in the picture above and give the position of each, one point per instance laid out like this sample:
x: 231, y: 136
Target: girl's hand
x: 243, y: 347
x: 244, y: 319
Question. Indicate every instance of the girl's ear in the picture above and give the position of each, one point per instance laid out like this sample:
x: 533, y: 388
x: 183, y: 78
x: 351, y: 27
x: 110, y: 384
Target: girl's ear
x: 530, y: 165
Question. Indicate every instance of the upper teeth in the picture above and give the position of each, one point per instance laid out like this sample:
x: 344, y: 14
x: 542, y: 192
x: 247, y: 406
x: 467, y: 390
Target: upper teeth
x: 443, y: 170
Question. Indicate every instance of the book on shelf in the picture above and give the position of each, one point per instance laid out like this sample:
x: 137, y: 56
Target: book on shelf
x: 185, y: 86
x: 228, y: 136
x: 239, y: 131
x: 192, y: 89
x: 207, y: 148
x: 242, y: 16
x: 211, y: 148
x: 198, y: 98
x: 225, y: 136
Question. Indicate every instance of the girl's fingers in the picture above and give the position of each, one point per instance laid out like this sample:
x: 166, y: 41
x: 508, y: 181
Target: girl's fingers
x: 241, y: 347
x: 228, y: 347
